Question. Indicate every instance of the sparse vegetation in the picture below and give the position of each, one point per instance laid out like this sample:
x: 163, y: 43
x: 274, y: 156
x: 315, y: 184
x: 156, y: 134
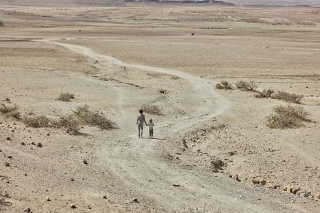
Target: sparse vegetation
x: 10, y: 111
x: 3, y: 202
x: 265, y: 93
x: 290, y: 116
x: 246, y: 86
x: 174, y: 77
x: 195, y: 210
x: 66, y: 97
x: 69, y: 123
x: 85, y: 116
x: 1, y: 23
x: 289, y: 97
x: 152, y: 109
x: 224, y: 85
x: 38, y: 121
x: 163, y: 91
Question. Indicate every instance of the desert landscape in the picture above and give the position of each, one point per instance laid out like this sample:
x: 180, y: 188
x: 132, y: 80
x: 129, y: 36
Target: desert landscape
x: 233, y: 91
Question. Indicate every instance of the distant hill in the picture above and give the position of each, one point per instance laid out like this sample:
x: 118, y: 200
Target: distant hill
x: 312, y: 3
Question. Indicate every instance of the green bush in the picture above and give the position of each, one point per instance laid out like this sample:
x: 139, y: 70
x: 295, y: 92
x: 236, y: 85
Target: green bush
x: 85, y: 116
x: 287, y: 117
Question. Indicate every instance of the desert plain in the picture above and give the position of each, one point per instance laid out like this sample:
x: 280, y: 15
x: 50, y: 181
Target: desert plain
x: 212, y: 150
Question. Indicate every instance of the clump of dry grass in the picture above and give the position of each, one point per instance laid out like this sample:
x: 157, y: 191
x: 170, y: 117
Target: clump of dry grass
x: 163, y: 91
x: 224, y: 85
x: 290, y: 116
x: 38, y: 121
x: 10, y: 111
x: 69, y: 123
x: 85, y: 116
x: 3, y: 202
x: 66, y: 97
x: 289, y: 97
x: 152, y: 109
x: 64, y: 122
x: 174, y: 77
x: 265, y: 93
x: 246, y: 86
x: 195, y: 210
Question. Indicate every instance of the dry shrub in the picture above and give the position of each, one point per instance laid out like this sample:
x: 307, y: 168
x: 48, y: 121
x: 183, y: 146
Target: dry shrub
x: 195, y: 210
x: 38, y: 121
x: 174, y: 77
x: 64, y: 122
x: 4, y: 203
x: 246, y: 86
x: 290, y: 116
x: 69, y: 123
x: 10, y: 111
x: 289, y: 97
x: 66, y: 97
x: 85, y: 116
x: 163, y: 91
x: 224, y: 85
x: 264, y: 94
x: 219, y: 86
x: 152, y: 109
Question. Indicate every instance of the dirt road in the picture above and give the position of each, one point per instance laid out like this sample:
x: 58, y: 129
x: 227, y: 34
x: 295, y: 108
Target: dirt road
x: 138, y: 163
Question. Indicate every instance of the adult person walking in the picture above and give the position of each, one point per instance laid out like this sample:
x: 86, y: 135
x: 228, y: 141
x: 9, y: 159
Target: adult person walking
x: 140, y: 120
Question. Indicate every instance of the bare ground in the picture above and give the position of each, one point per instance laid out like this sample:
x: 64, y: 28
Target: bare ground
x: 118, y: 59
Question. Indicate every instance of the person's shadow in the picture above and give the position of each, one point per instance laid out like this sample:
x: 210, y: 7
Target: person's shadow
x: 160, y: 139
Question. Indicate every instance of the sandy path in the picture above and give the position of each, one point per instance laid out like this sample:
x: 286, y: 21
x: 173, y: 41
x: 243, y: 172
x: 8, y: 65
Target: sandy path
x: 139, y: 165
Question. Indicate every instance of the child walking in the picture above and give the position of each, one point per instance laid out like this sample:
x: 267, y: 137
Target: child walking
x: 151, y: 125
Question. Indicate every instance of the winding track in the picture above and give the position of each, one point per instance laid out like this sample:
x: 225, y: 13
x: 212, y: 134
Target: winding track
x: 140, y: 168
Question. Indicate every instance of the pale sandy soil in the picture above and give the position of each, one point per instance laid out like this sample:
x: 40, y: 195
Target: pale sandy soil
x: 116, y: 60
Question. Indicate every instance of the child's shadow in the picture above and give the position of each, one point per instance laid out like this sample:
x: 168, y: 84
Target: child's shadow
x: 160, y: 139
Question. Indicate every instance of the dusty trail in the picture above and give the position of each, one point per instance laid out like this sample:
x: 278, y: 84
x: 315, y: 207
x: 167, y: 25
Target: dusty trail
x: 139, y: 165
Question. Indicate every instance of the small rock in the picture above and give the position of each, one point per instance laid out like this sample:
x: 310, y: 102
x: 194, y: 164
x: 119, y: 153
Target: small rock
x: 73, y: 206
x: 271, y: 186
x: 39, y: 145
x: 27, y: 210
x: 33, y: 143
x: 255, y: 181
x: 23, y: 144
x: 6, y: 164
x: 317, y: 196
x: 262, y: 181
x: 9, y: 156
x: 294, y: 190
x: 8, y: 139
x: 303, y: 195
x: 85, y: 161
x: 72, y: 179
x: 48, y: 199
x: 235, y: 177
x: 135, y: 200
x: 175, y: 185
x: 105, y: 197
